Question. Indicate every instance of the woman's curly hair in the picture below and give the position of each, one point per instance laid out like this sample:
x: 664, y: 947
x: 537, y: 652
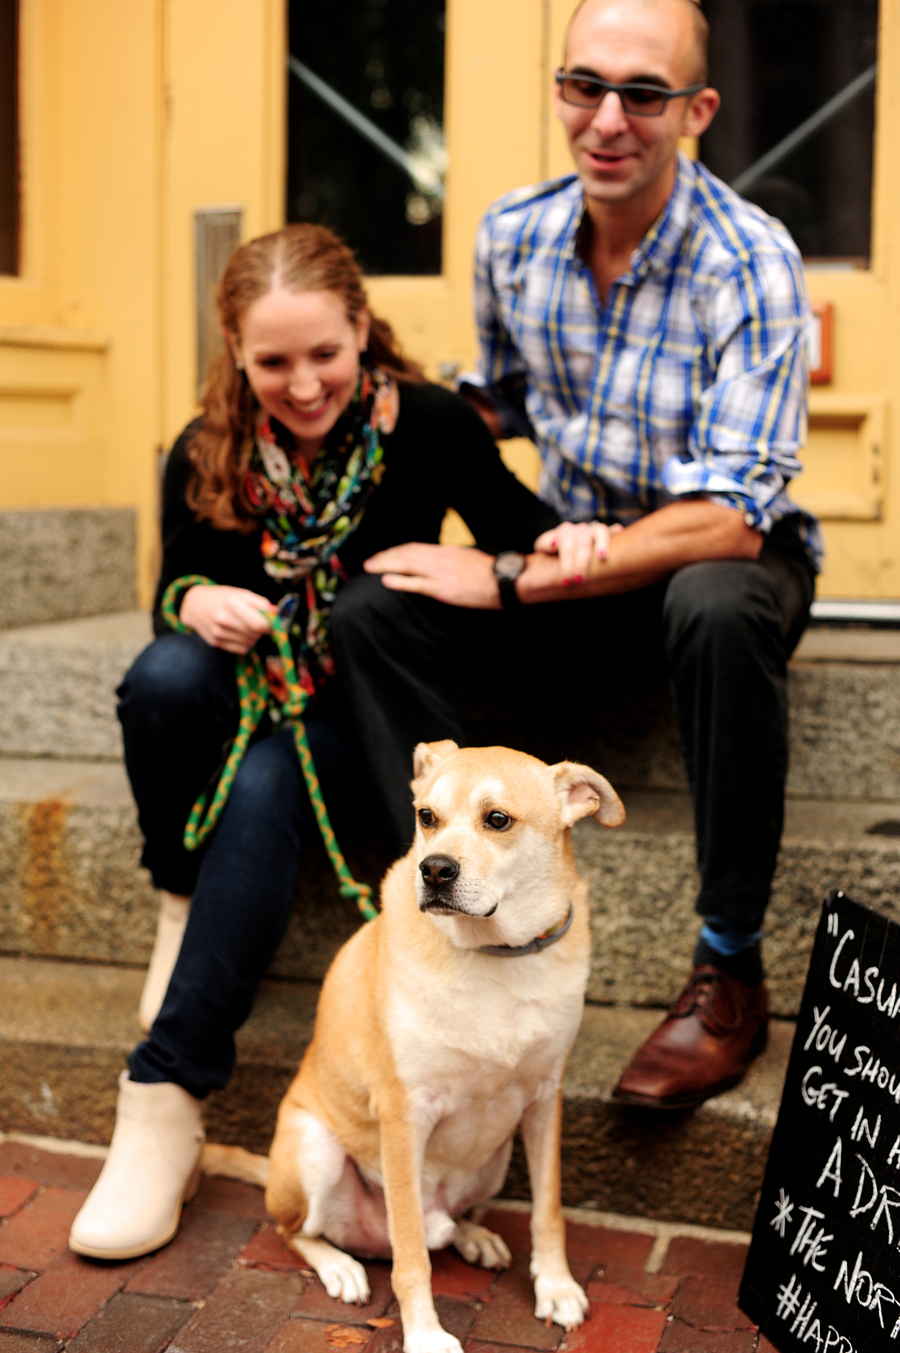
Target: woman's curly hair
x: 296, y: 258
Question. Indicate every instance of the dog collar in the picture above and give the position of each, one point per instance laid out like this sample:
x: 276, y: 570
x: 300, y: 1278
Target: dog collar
x: 535, y: 947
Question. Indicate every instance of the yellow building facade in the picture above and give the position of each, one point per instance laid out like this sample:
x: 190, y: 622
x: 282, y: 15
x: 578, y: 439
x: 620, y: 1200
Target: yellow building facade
x: 135, y: 116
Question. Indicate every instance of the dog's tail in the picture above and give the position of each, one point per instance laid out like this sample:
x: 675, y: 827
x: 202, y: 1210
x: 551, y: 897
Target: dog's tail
x: 235, y: 1163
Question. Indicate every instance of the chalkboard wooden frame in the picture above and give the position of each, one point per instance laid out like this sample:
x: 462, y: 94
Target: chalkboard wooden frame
x: 823, y: 1271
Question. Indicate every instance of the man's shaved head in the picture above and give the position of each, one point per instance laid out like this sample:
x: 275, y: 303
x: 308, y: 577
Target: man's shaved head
x: 698, y: 72
x: 622, y: 156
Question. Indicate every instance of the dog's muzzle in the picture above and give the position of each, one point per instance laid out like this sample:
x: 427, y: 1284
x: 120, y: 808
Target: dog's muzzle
x: 438, y: 895
x: 438, y: 874
x: 439, y: 870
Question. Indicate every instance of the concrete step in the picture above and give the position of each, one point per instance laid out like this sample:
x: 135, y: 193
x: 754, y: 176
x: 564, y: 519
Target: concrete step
x: 98, y: 546
x: 58, y: 682
x: 71, y: 886
x: 844, y: 693
x: 65, y: 1029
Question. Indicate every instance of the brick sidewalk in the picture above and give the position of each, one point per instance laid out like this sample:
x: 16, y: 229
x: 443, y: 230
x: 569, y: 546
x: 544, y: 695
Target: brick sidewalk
x: 228, y: 1283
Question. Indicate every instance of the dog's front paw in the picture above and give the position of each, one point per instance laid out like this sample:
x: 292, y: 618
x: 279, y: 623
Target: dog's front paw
x: 344, y: 1278
x: 480, y: 1246
x: 431, y: 1341
x: 560, y: 1300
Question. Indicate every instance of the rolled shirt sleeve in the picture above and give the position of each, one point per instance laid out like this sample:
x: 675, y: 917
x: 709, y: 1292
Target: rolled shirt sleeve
x: 751, y: 422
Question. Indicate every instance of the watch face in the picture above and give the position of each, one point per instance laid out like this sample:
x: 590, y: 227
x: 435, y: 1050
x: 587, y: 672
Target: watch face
x: 508, y: 566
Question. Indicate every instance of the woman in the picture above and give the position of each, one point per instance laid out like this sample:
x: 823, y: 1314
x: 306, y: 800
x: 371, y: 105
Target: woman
x: 319, y: 445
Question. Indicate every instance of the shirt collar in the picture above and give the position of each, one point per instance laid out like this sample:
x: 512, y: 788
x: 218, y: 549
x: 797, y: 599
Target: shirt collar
x: 659, y: 247
x: 661, y: 244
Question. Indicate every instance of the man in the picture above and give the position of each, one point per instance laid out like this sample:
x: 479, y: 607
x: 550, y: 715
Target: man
x: 658, y: 321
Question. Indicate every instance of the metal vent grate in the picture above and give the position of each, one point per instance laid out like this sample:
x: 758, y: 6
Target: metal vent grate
x: 217, y: 233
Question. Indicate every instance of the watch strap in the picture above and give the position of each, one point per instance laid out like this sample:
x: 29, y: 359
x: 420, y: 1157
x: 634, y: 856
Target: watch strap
x: 508, y: 567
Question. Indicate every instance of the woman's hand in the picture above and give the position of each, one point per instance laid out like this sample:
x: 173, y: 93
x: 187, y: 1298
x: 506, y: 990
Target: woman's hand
x: 232, y: 618
x: 577, y: 543
x: 455, y: 574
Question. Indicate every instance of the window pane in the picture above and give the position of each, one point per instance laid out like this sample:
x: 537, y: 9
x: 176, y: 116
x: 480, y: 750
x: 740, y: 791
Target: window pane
x: 384, y: 58
x: 776, y: 63
x: 9, y: 187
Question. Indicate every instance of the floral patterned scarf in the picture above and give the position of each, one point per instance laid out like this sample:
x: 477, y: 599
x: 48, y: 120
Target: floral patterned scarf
x: 308, y: 514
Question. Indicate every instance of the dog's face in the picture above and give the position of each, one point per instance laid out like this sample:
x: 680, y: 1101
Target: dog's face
x: 491, y: 828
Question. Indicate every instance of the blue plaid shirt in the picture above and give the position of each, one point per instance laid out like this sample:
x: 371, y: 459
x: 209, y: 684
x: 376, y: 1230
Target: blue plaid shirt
x: 690, y: 380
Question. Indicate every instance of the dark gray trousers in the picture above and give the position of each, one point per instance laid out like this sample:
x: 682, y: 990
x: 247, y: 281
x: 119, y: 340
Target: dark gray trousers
x: 722, y: 630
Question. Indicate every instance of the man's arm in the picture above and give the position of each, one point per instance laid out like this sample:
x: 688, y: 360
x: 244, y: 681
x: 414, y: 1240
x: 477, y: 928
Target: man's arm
x: 650, y: 549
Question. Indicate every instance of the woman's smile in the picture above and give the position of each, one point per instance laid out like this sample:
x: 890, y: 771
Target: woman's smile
x: 301, y: 357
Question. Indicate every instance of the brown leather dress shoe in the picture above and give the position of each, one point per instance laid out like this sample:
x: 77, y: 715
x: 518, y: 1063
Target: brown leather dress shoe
x: 703, y: 1046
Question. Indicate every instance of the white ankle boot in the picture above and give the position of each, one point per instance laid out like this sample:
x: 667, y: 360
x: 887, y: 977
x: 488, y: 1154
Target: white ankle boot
x: 173, y: 914
x: 152, y: 1167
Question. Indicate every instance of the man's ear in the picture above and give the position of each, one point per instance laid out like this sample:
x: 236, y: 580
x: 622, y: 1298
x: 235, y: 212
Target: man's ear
x: 426, y: 757
x: 701, y: 110
x: 583, y: 792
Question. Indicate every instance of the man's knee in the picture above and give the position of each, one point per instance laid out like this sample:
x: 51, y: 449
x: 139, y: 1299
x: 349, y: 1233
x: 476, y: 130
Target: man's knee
x: 176, y: 672
x: 360, y: 602
x: 366, y: 614
x: 721, y: 601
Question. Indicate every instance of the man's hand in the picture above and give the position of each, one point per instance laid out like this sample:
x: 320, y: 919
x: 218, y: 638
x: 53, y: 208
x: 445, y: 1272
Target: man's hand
x: 232, y: 618
x: 455, y: 574
x: 577, y: 543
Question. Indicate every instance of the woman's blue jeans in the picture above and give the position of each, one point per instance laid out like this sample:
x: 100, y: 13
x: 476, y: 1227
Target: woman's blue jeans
x: 178, y: 706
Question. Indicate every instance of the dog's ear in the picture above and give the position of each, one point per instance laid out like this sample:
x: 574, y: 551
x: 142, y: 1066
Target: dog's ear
x: 427, y: 755
x: 584, y: 793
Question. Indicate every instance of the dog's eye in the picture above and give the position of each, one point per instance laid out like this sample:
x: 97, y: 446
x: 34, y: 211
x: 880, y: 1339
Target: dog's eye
x: 498, y: 820
x: 426, y: 817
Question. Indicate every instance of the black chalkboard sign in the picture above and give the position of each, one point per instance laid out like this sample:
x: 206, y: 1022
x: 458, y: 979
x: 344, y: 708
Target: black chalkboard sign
x: 823, y: 1272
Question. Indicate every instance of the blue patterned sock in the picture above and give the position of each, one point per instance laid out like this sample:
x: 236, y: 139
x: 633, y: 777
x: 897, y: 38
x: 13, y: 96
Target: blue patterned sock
x: 733, y: 951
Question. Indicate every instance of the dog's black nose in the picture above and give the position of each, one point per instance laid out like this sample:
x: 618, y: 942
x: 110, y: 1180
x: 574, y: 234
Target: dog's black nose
x: 438, y: 870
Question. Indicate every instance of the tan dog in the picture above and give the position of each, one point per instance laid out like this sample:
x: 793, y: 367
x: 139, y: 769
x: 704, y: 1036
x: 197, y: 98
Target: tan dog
x: 429, y: 1050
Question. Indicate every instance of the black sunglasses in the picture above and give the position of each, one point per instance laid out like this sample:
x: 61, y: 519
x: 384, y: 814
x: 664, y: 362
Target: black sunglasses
x: 589, y: 91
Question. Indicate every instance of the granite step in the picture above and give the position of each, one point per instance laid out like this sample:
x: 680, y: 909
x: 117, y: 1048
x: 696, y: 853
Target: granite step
x: 98, y: 547
x: 58, y: 682
x: 65, y: 1029
x: 57, y: 685
x: 71, y: 886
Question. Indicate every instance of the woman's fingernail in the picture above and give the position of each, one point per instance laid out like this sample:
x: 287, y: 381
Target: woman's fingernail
x: 567, y: 582
x: 578, y: 578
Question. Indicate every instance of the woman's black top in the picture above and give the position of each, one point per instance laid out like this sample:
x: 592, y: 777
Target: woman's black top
x: 439, y: 455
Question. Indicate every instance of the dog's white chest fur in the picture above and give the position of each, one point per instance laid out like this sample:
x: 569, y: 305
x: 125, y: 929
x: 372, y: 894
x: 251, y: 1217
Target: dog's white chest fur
x: 474, y: 1056
x: 498, y: 1019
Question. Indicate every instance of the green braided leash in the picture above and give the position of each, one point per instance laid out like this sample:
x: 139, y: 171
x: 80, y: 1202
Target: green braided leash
x: 255, y: 697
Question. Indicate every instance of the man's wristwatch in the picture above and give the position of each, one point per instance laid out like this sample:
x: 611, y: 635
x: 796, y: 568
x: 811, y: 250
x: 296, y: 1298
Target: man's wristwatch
x: 507, y: 567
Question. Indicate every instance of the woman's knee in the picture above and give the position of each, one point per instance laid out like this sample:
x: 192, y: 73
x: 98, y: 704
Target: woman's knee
x: 175, y: 673
x: 269, y: 779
